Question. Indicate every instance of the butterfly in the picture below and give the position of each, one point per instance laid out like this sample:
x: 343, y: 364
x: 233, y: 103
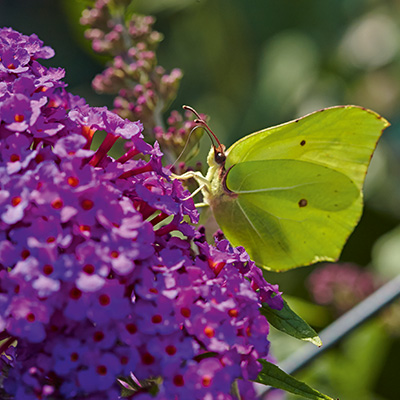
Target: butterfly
x: 292, y: 194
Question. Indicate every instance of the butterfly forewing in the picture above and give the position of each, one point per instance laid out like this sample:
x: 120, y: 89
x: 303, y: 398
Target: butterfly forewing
x: 341, y: 138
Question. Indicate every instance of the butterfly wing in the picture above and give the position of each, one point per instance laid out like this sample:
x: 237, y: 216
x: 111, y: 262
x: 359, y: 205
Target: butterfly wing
x: 293, y: 193
x: 342, y: 138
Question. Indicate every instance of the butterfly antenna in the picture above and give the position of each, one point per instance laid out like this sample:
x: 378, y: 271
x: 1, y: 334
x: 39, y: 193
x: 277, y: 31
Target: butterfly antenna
x: 191, y: 109
x: 200, y: 121
x: 184, y: 148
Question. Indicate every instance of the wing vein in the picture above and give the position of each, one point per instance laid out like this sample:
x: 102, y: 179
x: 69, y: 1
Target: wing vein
x: 249, y: 221
x: 273, y: 188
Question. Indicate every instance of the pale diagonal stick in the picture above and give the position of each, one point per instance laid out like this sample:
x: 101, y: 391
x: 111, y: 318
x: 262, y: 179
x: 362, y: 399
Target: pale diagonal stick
x: 336, y: 331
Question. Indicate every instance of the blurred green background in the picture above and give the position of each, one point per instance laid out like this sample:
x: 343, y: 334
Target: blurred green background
x: 253, y: 64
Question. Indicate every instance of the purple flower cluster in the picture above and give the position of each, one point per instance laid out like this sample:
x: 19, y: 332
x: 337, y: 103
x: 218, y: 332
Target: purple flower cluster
x: 341, y: 286
x: 101, y: 274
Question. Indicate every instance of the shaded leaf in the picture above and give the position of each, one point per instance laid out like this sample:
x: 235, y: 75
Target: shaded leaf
x: 287, y: 321
x: 272, y: 375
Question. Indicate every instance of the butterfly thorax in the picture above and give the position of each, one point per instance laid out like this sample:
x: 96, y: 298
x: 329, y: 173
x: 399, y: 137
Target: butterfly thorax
x: 216, y: 190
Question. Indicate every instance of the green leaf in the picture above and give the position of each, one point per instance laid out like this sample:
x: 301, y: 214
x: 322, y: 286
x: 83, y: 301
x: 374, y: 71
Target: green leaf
x: 287, y: 321
x: 272, y: 375
x: 315, y: 315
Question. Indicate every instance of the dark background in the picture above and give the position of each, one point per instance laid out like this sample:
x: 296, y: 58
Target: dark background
x: 253, y: 64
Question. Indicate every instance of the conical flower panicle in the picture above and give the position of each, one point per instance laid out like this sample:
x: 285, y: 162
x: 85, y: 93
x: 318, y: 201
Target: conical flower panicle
x: 101, y: 274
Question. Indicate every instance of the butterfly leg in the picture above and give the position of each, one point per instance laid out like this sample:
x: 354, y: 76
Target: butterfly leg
x: 196, y: 175
x: 203, y: 182
x: 195, y: 192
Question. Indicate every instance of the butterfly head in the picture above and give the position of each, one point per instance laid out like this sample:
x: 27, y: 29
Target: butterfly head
x: 219, y: 149
x: 219, y: 154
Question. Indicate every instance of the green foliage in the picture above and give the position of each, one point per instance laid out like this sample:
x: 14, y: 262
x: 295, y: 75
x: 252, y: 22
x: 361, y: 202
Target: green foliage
x: 386, y: 254
x: 287, y: 321
x: 353, y: 370
x: 273, y: 376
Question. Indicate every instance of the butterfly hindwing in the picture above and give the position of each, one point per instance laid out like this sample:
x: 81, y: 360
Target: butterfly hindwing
x: 293, y: 212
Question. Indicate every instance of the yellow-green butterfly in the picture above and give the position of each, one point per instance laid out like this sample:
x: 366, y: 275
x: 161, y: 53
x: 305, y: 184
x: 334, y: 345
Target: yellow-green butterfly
x: 292, y: 194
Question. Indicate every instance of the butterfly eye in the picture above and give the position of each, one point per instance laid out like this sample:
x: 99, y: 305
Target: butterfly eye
x: 219, y: 157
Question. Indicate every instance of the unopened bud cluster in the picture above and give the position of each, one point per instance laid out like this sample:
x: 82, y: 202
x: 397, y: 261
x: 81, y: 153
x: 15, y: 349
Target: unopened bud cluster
x: 144, y: 90
x: 143, y: 87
